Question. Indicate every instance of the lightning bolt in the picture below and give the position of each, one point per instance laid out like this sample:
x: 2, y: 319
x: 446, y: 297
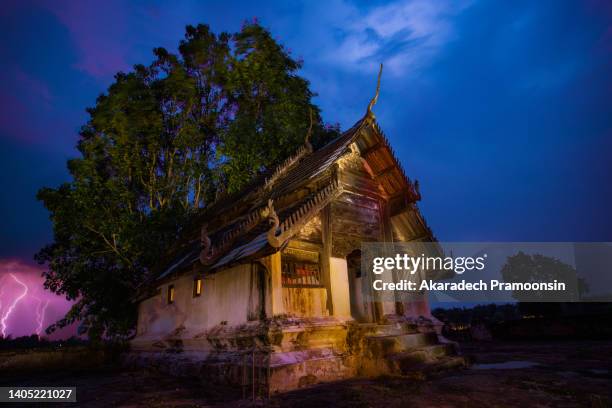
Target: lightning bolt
x: 40, y: 315
x: 1, y: 293
x: 16, y: 301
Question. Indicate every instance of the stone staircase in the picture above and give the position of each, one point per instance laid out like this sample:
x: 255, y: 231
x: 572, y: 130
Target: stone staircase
x: 311, y: 353
x: 405, y: 349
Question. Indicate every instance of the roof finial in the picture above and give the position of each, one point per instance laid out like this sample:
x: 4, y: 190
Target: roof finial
x: 205, y: 253
x: 309, y: 134
x: 274, y: 224
x: 375, y: 98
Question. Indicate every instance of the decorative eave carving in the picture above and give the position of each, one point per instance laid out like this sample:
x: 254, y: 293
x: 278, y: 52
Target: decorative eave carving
x: 279, y: 232
x: 415, y: 195
x: 205, y: 253
x: 369, y: 116
x: 309, y: 134
x: 370, y: 119
x: 210, y: 253
x: 304, y: 150
x: 351, y: 159
x: 273, y: 220
x: 280, y: 170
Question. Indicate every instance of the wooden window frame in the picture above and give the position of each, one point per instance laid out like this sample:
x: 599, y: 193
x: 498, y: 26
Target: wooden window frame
x: 299, y: 271
x: 197, y: 290
x: 170, y: 294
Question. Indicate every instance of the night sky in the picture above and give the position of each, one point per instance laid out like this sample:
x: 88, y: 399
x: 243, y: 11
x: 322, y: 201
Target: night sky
x: 501, y: 109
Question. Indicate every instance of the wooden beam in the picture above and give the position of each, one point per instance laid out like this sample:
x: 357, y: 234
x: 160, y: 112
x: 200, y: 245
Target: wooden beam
x: 326, y: 235
x: 385, y: 171
x: 373, y: 148
x: 357, y: 191
x: 275, y: 268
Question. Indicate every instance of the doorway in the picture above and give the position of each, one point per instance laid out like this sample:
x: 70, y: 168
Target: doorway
x: 359, y: 310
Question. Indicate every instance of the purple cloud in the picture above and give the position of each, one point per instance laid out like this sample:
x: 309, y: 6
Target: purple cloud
x: 13, y: 117
x: 100, y: 33
x: 33, y: 87
x: 31, y: 114
x: 25, y: 101
x: 25, y: 306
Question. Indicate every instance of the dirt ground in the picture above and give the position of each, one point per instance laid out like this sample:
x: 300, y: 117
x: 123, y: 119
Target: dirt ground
x: 559, y: 374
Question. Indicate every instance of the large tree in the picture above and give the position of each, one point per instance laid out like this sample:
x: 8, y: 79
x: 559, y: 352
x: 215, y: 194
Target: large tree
x: 537, y: 268
x: 160, y: 145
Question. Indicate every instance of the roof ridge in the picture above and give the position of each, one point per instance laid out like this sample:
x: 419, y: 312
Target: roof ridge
x: 211, y: 252
x: 302, y: 151
x: 280, y: 232
x: 411, y: 186
x: 288, y: 163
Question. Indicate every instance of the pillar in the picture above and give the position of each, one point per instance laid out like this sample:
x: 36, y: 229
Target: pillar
x: 276, y: 286
x: 339, y: 284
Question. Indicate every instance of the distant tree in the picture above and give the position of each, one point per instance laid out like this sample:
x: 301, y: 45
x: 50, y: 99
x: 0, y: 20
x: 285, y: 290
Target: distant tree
x: 538, y: 268
x: 489, y: 313
x: 160, y: 145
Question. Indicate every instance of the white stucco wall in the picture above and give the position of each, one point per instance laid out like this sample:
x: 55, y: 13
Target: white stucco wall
x: 225, y: 298
x: 338, y: 276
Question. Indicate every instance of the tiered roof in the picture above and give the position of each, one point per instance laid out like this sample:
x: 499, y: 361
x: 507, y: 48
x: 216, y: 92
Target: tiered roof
x: 267, y: 213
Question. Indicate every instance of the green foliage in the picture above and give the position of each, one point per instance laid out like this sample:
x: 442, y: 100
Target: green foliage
x: 160, y: 145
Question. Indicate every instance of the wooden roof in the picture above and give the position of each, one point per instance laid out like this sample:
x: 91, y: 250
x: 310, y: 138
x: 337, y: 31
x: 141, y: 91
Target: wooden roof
x: 262, y: 217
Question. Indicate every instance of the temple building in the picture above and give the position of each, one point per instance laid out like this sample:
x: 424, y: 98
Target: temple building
x: 267, y: 291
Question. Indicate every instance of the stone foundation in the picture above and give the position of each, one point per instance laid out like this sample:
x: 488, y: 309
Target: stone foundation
x: 287, y: 353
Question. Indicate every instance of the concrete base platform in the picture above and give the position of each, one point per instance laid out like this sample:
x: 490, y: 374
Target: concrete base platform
x: 282, y: 355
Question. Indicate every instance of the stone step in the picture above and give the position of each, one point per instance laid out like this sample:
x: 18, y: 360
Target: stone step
x: 436, y: 357
x: 418, y: 339
x: 392, y: 329
x: 424, y: 354
x: 429, y: 369
x: 383, y: 345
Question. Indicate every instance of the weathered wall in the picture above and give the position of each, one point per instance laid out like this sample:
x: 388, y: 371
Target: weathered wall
x: 311, y: 232
x: 356, y: 214
x: 231, y: 296
x: 355, y: 219
x: 305, y: 302
x: 408, y: 226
